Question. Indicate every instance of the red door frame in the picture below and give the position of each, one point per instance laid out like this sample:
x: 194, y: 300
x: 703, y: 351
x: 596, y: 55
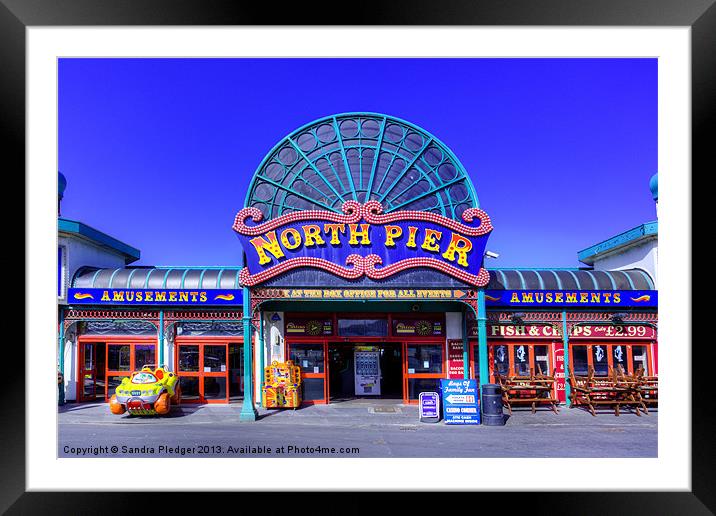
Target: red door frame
x: 609, y: 344
x: 106, y: 341
x: 348, y: 341
x: 201, y: 341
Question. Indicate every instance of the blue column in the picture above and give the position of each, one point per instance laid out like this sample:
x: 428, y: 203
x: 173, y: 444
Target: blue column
x: 465, y: 348
x: 160, y: 332
x: 565, y: 343
x: 482, y: 337
x: 248, y: 412
x: 260, y: 349
x: 61, y: 358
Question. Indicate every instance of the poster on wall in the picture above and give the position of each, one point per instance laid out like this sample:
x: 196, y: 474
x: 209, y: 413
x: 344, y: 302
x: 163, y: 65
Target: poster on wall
x: 456, y: 359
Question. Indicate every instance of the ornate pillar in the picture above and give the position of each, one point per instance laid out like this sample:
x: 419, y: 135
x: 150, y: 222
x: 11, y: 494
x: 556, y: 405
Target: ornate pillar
x: 482, y: 337
x: 61, y: 361
x: 248, y: 412
x: 565, y: 343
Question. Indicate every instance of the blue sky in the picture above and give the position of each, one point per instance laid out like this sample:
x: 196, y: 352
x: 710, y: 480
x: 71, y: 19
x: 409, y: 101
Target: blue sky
x: 159, y: 152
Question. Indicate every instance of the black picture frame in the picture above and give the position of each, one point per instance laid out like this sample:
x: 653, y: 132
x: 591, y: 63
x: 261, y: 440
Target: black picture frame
x: 17, y: 15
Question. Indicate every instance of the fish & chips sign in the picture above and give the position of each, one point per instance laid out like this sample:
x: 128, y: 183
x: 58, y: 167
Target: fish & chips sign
x: 363, y: 241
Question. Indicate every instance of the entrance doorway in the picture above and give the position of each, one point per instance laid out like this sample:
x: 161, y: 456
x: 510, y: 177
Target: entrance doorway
x: 369, y: 371
x: 103, y: 365
x: 93, y: 360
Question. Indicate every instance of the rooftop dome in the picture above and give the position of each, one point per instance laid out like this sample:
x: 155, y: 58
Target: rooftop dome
x: 654, y: 186
x: 361, y: 157
x: 61, y: 184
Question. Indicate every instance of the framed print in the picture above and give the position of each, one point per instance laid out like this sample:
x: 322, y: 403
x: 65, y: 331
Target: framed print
x: 275, y: 242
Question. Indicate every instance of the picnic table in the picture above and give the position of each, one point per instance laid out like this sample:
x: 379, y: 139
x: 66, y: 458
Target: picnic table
x: 533, y: 389
x: 616, y: 389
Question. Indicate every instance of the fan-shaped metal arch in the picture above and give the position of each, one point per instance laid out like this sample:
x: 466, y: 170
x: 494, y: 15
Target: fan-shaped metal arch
x: 361, y: 157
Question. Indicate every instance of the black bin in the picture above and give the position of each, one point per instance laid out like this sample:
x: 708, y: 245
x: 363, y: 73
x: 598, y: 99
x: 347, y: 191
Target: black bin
x: 492, y: 405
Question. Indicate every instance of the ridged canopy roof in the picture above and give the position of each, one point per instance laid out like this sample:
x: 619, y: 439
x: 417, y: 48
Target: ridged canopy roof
x: 208, y: 278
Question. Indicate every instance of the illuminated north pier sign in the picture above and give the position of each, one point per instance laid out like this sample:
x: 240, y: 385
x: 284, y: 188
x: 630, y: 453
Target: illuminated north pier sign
x: 363, y: 241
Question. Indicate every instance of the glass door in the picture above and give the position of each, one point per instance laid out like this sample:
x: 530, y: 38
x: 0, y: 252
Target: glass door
x: 425, y: 366
x: 203, y: 370
x: 310, y: 357
x: 88, y: 373
x: 125, y: 357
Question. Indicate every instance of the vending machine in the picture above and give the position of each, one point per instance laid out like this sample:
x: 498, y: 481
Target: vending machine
x: 367, y: 372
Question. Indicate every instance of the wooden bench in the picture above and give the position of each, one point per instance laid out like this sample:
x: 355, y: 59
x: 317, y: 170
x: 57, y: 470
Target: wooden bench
x: 531, y: 389
x: 610, y: 390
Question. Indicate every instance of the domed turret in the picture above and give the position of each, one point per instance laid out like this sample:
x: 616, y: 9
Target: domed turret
x: 61, y: 185
x: 654, y: 186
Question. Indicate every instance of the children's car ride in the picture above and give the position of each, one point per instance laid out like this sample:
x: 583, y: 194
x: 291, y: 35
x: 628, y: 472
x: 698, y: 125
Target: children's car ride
x: 146, y: 392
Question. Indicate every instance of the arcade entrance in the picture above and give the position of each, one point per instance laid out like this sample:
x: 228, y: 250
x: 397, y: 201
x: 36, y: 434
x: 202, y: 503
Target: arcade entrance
x: 365, y: 371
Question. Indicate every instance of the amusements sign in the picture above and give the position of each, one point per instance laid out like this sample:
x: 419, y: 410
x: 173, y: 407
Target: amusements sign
x: 363, y: 241
x: 456, y: 361
x: 136, y: 296
x: 460, y: 402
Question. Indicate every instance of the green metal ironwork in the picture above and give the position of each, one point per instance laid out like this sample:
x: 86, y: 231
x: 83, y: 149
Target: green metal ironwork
x: 481, y: 317
x: 565, y: 343
x: 361, y: 157
x: 248, y: 411
x: 61, y: 357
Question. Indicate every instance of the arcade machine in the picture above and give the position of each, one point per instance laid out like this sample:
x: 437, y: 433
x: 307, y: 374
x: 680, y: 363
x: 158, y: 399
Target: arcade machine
x: 367, y: 371
x: 282, y: 388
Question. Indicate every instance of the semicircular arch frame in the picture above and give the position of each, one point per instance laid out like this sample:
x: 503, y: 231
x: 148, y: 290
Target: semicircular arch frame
x: 361, y: 157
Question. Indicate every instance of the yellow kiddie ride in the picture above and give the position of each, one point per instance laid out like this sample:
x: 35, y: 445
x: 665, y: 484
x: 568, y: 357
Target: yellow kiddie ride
x: 146, y: 392
x: 282, y: 385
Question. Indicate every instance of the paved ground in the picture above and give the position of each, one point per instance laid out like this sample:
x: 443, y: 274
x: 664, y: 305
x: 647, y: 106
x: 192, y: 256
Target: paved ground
x: 368, y: 428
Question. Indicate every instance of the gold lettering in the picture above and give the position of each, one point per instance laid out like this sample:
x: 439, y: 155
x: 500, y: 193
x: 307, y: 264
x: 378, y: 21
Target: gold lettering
x: 571, y: 297
x: 527, y: 297
x: 118, y: 296
x: 295, y: 235
x: 412, y: 230
x: 148, y: 296
x: 202, y: 297
x: 160, y: 296
x: 363, y: 234
x: 183, y: 296
x: 105, y: 296
x: 391, y: 233
x: 271, y: 245
x: 172, y: 296
x: 312, y: 236
x: 515, y: 298
x: 334, y: 229
x: 583, y: 297
x: 596, y: 297
x: 617, y: 297
x: 461, y: 250
x: 430, y: 242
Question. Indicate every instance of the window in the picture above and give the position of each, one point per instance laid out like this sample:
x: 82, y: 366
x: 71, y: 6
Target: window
x: 541, y: 360
x: 363, y: 327
x: 639, y: 358
x: 580, y: 364
x: 522, y: 359
x: 425, y: 358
